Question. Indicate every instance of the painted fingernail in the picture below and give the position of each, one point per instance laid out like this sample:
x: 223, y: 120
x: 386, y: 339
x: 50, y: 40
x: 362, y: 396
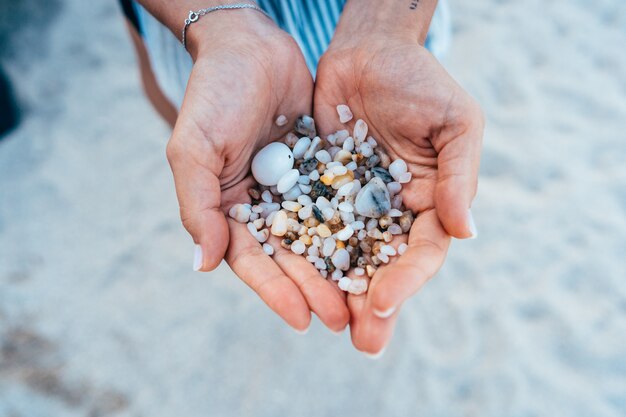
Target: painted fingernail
x: 197, y: 258
x: 376, y: 355
x: 384, y: 314
x: 472, y: 225
x: 302, y: 332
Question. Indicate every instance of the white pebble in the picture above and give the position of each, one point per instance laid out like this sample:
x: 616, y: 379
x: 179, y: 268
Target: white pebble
x: 298, y: 247
x: 345, y: 233
x: 259, y: 223
x: 394, y: 213
x: 254, y: 216
x: 372, y: 142
x: 288, y: 180
x: 317, y: 241
x: 352, y: 166
x: 240, y: 213
x: 314, y: 175
x: 344, y: 283
x: 279, y: 223
x: 402, y: 248
x: 316, y: 145
x: 329, y: 246
x: 348, y: 144
x: 347, y: 207
x: 346, y: 217
x: 324, y: 273
x: 281, y: 120
x: 371, y: 224
x: 388, y: 250
x: 396, y: 201
x: 312, y: 258
x: 366, y: 149
x: 383, y: 257
x: 252, y: 229
x: 331, y: 139
x: 268, y: 208
x: 293, y: 193
x: 313, y: 251
x: 267, y: 196
x: 342, y: 134
x: 344, y: 112
x: 357, y: 286
x: 395, y: 229
x: 339, y: 170
x: 271, y: 163
x: 268, y: 249
x: 291, y: 139
x: 305, y: 200
x: 397, y: 168
x: 345, y: 189
x: 360, y: 131
x: 362, y: 234
x: 301, y: 147
x: 357, y: 225
x: 304, y: 179
x: 404, y: 178
x: 341, y: 259
x: 291, y: 206
x: 262, y: 235
x: 328, y: 213
x: 337, y: 275
x: 323, y: 156
x: 359, y: 271
x: 305, y: 212
x: 320, y: 264
x: 394, y: 187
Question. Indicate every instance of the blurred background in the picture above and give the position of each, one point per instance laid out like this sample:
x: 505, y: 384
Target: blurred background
x: 101, y: 314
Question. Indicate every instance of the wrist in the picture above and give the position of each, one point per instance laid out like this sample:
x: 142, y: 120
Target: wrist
x: 227, y: 29
x: 383, y: 19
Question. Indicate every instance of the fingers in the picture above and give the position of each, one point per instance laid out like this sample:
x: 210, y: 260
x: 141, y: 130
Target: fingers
x: 198, y: 192
x: 247, y: 259
x: 322, y: 297
x: 370, y: 333
x: 458, y: 164
x: 393, y: 284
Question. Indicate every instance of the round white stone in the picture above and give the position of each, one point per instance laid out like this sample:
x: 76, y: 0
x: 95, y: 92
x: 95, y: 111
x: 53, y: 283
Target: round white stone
x: 357, y: 286
x: 323, y: 156
x: 268, y: 249
x: 397, y: 168
x: 341, y: 259
x: 288, y: 180
x: 271, y: 163
x: 345, y: 233
x: 344, y: 283
x: 301, y: 147
x: 402, y: 248
x: 344, y: 112
x: 298, y: 247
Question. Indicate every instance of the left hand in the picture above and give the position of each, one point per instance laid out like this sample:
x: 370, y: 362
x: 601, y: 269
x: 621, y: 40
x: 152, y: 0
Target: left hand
x: 416, y: 112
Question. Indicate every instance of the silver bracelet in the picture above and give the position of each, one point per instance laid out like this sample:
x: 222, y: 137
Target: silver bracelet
x: 194, y: 16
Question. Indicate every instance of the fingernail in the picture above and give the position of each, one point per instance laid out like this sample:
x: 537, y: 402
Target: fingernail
x: 472, y: 225
x: 384, y: 314
x: 302, y: 332
x: 377, y: 355
x: 197, y: 258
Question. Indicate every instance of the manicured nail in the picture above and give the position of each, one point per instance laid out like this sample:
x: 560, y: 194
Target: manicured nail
x: 472, y: 225
x: 384, y: 314
x: 377, y: 355
x: 302, y: 332
x: 197, y: 258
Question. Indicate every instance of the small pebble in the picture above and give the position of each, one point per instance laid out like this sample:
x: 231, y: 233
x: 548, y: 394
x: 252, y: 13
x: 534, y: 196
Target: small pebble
x: 344, y: 112
x: 323, y: 156
x: 388, y: 250
x: 279, y: 224
x: 397, y: 168
x: 268, y: 249
x: 288, y: 180
x: 240, y: 213
x: 405, y: 178
x: 357, y: 286
x: 360, y: 131
x: 301, y: 147
x: 345, y: 233
x: 267, y: 196
x: 281, y: 120
x: 341, y: 259
x: 305, y: 125
x: 329, y: 246
x: 298, y: 247
x: 359, y: 271
x: 402, y: 248
x: 344, y: 283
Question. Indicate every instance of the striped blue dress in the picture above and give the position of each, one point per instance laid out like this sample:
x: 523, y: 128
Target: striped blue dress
x: 310, y: 22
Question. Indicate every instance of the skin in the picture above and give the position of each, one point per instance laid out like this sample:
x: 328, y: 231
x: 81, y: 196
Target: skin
x: 378, y: 66
x: 417, y: 112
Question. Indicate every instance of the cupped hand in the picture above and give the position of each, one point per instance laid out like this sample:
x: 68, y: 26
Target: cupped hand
x: 417, y: 112
x: 238, y: 87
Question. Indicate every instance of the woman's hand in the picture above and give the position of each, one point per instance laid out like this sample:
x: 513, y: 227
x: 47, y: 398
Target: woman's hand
x: 247, y: 72
x: 417, y: 112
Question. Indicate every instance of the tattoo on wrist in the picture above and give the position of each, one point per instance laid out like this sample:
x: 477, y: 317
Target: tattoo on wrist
x: 413, y: 4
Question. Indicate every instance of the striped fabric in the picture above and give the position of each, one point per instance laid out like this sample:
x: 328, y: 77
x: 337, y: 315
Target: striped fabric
x: 310, y: 22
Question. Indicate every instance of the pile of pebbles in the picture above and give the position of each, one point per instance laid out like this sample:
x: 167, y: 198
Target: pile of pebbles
x: 335, y: 201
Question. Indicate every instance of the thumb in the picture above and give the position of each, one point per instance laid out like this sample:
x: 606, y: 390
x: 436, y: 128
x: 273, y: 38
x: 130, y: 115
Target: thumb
x: 458, y: 164
x: 196, y: 167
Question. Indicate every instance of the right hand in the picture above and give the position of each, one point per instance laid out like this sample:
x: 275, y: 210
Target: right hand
x: 246, y: 73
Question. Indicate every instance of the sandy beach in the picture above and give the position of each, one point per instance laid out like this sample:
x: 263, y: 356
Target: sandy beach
x: 101, y: 314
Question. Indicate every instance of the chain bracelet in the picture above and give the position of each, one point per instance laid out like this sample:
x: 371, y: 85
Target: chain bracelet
x: 194, y: 16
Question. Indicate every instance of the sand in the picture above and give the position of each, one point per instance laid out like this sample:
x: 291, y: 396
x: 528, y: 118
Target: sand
x: 100, y: 313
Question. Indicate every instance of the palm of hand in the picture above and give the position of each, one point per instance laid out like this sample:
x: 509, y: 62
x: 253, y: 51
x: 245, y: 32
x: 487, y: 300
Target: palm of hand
x: 413, y: 109
x: 229, y: 112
